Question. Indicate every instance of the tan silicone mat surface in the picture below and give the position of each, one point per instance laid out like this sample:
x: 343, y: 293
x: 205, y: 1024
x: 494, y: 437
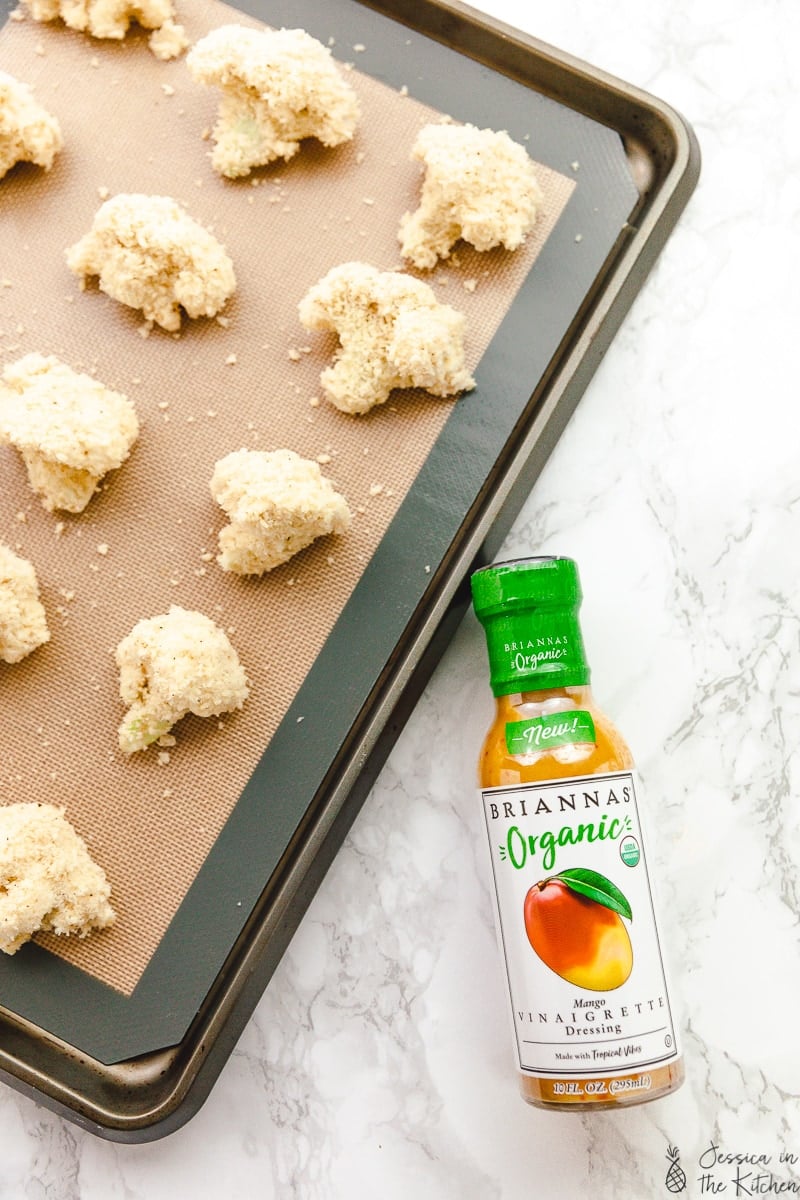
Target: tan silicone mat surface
x: 134, y: 124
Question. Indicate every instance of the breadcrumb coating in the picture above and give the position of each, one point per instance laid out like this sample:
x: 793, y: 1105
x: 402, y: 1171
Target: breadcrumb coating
x: 168, y: 41
x: 278, y: 87
x: 171, y: 665
x: 28, y: 133
x: 113, y: 18
x: 150, y: 254
x: 48, y: 880
x: 23, y: 624
x: 479, y: 186
x: 394, y: 333
x: 278, y: 503
x: 70, y: 429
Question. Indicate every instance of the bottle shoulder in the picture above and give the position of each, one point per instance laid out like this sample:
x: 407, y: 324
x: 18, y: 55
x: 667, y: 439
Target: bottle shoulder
x: 498, y: 766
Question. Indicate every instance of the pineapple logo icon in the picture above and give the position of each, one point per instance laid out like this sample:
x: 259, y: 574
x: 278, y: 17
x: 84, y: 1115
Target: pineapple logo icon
x: 676, y: 1177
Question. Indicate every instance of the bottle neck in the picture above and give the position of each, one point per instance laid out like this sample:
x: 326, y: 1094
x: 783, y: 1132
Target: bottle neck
x: 547, y: 721
x: 512, y: 705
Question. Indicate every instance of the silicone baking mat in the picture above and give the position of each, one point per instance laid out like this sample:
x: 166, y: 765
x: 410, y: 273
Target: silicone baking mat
x: 190, y: 844
x: 142, y: 816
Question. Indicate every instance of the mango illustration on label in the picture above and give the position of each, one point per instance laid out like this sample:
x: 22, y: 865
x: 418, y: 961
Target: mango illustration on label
x: 574, y: 923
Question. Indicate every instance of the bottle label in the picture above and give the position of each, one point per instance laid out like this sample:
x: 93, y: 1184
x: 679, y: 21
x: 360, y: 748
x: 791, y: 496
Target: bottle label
x: 549, y: 731
x: 577, y: 927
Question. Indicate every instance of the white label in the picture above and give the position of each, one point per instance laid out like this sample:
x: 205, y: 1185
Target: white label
x: 577, y: 927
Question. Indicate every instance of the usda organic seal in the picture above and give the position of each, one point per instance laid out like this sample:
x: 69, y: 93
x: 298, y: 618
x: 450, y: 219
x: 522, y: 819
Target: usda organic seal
x: 629, y: 851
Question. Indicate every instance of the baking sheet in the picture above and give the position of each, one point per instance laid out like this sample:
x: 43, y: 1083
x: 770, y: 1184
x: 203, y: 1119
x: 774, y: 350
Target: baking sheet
x: 149, y: 998
x: 155, y: 518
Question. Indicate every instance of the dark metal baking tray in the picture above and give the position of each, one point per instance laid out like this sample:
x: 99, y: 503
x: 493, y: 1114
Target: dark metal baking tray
x: 135, y: 1068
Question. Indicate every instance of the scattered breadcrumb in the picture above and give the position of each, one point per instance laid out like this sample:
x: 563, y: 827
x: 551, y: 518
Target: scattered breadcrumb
x: 278, y: 87
x: 28, y: 133
x: 102, y: 549
x: 69, y: 428
x: 171, y: 665
x: 113, y: 18
x: 277, y: 504
x: 150, y: 254
x: 48, y: 881
x: 23, y: 624
x: 479, y: 185
x: 394, y: 333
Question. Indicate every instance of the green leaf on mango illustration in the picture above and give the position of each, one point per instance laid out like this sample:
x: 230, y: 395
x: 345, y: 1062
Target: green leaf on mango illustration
x: 596, y: 887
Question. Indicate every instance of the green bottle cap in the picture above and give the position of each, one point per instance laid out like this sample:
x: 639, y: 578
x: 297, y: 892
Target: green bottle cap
x: 529, y: 610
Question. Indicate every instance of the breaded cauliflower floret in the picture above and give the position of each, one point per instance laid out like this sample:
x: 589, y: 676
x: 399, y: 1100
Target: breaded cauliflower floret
x: 113, y: 18
x: 150, y: 254
x: 70, y: 429
x: 393, y: 333
x: 278, y: 503
x: 23, y: 624
x: 48, y: 880
x: 278, y: 87
x: 479, y: 185
x: 169, y: 41
x: 172, y: 665
x: 28, y: 133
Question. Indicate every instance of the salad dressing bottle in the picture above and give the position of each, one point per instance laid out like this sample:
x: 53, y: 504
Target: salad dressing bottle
x: 593, y: 1026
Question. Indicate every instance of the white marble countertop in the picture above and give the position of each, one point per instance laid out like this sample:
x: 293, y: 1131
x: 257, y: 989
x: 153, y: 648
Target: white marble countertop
x: 378, y: 1062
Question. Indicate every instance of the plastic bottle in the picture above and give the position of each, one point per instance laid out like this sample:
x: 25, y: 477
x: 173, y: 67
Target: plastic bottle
x: 593, y: 1026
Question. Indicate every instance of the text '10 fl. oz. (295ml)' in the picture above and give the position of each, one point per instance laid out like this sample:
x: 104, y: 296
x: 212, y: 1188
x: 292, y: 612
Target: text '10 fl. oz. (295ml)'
x: 592, y: 1020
